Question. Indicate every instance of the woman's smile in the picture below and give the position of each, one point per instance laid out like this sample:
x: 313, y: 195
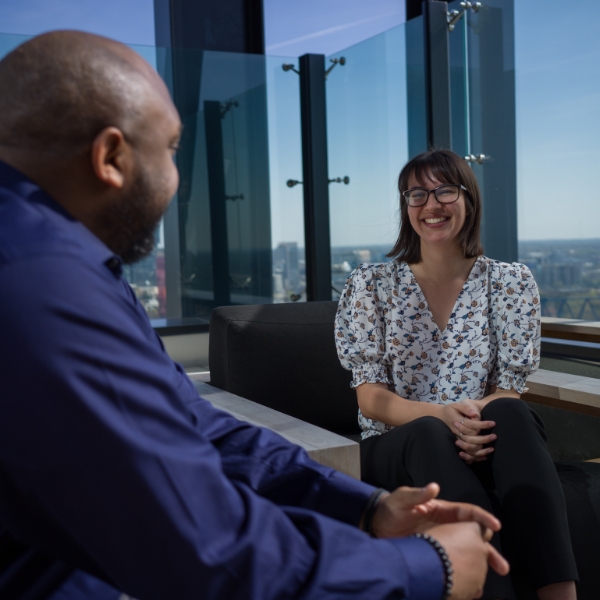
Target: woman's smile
x: 435, y: 222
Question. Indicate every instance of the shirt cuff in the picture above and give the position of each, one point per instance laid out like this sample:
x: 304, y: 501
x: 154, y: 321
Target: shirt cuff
x: 369, y: 373
x: 426, y: 575
x: 509, y: 380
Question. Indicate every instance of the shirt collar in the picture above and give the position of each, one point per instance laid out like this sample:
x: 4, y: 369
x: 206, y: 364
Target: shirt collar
x: 13, y: 180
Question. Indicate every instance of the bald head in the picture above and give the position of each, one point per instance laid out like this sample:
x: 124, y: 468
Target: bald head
x: 61, y: 88
x: 91, y: 123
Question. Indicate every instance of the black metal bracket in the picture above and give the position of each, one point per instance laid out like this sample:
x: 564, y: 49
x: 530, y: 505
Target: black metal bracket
x: 227, y: 106
x: 335, y: 61
x: 289, y: 67
x: 294, y: 182
x: 455, y: 15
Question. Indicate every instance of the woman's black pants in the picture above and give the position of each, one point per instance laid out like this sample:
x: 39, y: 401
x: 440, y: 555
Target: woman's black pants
x: 518, y: 482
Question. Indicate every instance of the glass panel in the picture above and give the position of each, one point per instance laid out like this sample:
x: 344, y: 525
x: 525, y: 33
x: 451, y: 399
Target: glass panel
x: 224, y: 197
x: 285, y: 163
x: 483, y: 116
x: 234, y: 232
x: 368, y: 142
x: 241, y: 227
x: 459, y: 83
x: 8, y: 42
x: 558, y: 89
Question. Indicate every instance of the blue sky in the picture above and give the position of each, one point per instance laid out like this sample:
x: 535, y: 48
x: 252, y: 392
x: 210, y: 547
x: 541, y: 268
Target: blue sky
x: 129, y: 21
x: 295, y: 27
x: 558, y: 119
x: 292, y: 27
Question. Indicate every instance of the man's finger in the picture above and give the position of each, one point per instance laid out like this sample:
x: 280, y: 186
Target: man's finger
x: 470, y: 512
x: 455, y: 512
x: 497, y: 561
x: 408, y: 497
x: 486, y: 533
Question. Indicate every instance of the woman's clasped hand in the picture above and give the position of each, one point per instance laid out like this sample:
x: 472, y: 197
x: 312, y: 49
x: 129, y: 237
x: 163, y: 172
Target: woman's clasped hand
x: 464, y: 421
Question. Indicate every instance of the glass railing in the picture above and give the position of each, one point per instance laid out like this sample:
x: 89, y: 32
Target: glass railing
x: 368, y: 143
x: 558, y: 127
x: 285, y: 164
x: 240, y: 225
x: 234, y: 232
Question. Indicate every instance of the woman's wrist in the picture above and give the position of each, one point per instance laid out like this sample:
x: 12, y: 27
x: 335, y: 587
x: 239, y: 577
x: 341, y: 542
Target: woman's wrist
x: 443, y: 413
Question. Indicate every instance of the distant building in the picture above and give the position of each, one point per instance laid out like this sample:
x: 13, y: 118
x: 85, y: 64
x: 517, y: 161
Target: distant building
x: 286, y: 258
x: 558, y: 275
x: 362, y: 256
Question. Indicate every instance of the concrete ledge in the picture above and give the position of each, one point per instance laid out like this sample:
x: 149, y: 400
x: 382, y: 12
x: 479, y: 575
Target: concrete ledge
x: 571, y: 393
x: 327, y: 448
x: 562, y: 390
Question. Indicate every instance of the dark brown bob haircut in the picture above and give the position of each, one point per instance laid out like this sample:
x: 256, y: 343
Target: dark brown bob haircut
x: 446, y: 167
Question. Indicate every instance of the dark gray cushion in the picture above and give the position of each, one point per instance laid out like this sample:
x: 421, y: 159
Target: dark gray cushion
x: 283, y: 356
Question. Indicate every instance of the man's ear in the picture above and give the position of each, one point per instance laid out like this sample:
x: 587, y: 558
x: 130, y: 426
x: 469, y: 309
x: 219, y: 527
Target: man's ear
x: 111, y: 157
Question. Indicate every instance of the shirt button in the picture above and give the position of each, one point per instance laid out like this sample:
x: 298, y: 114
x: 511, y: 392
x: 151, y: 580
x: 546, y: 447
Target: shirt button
x: 113, y: 263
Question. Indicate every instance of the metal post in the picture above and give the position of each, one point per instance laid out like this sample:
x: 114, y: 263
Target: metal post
x: 315, y: 177
x: 218, y: 207
x: 498, y: 134
x: 437, y: 69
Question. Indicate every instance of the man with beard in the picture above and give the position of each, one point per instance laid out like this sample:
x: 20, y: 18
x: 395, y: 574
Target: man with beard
x: 114, y: 474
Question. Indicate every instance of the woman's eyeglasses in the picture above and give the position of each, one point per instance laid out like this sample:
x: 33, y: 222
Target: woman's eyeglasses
x: 444, y: 194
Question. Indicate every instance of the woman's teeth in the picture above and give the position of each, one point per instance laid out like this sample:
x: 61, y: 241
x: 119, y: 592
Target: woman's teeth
x: 436, y: 220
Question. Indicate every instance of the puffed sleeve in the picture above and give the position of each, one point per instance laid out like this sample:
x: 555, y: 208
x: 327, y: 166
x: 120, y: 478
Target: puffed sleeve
x: 360, y: 327
x: 515, y: 319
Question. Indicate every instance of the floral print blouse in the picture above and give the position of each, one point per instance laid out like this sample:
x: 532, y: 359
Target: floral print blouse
x: 386, y: 334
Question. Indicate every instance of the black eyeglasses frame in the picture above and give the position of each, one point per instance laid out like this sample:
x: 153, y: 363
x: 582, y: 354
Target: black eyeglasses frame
x: 434, y: 190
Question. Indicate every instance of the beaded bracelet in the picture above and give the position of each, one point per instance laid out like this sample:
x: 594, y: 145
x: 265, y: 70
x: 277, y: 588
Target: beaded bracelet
x: 369, y: 513
x: 445, y: 561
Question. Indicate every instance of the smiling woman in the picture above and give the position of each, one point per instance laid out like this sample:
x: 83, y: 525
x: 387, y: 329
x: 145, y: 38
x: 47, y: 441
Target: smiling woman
x: 441, y: 342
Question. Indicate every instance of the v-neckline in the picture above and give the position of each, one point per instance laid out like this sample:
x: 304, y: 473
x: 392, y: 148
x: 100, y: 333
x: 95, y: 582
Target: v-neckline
x: 419, y: 291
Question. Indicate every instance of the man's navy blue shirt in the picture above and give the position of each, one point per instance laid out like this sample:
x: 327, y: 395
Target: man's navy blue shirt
x: 111, y: 462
